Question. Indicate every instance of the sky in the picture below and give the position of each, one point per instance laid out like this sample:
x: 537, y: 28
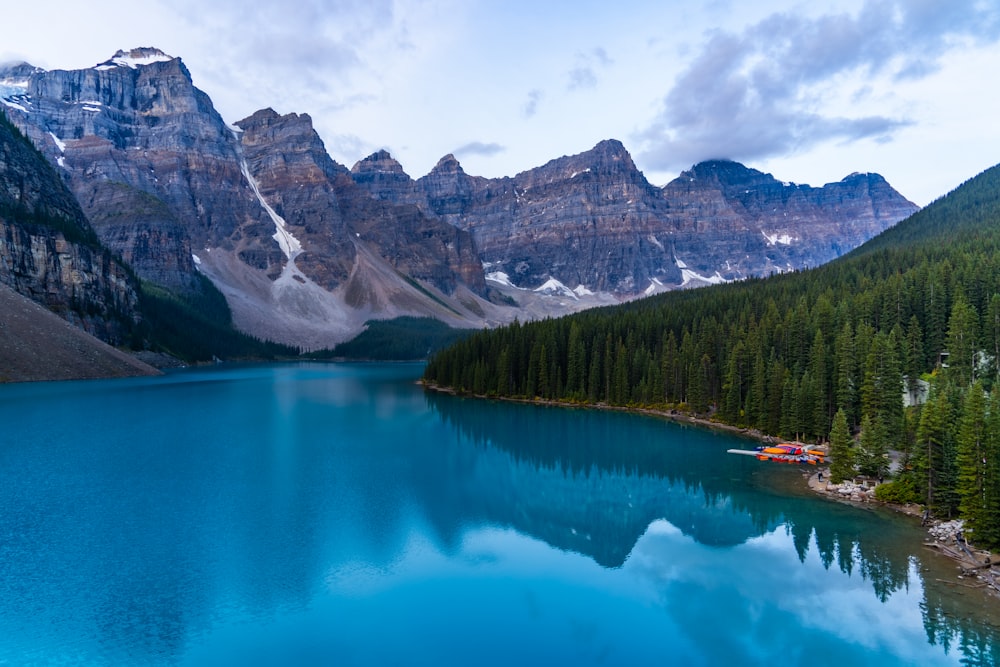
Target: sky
x: 807, y: 91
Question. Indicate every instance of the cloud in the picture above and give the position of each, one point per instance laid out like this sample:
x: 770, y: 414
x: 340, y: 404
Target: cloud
x: 530, y: 107
x: 764, y: 92
x: 584, y: 73
x: 323, y: 46
x: 479, y: 148
x: 582, y: 77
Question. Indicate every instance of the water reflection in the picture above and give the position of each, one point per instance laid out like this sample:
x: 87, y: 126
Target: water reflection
x: 312, y: 512
x: 578, y: 475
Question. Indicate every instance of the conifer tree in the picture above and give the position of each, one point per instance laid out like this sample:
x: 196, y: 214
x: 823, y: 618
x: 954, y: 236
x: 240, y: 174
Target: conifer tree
x: 871, y: 455
x: 971, y: 459
x: 933, y: 476
x: 821, y: 391
x: 576, y: 364
x: 988, y: 536
x: 962, y: 342
x: 841, y: 451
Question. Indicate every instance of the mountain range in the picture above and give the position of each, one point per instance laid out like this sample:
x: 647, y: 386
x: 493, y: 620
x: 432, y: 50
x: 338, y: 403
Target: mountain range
x: 147, y: 176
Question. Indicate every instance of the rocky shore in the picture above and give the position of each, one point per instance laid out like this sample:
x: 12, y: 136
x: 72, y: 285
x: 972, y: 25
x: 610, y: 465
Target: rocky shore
x: 977, y: 568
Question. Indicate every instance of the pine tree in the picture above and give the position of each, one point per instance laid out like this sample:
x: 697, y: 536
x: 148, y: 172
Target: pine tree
x: 962, y: 342
x: 933, y: 473
x: 841, y: 451
x: 503, y: 373
x: 988, y: 536
x: 576, y: 364
x: 872, y: 450
x: 971, y: 459
x: 820, y: 400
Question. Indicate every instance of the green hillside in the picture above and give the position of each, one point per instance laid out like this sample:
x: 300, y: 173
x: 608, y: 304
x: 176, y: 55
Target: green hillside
x: 795, y: 354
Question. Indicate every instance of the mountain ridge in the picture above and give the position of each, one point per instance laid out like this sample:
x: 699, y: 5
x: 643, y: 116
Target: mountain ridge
x: 176, y: 192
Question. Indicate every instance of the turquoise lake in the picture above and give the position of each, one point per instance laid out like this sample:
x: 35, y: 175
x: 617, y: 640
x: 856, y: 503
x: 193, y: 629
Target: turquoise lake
x: 336, y: 514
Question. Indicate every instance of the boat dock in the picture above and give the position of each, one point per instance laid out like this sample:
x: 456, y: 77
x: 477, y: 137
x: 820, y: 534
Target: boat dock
x: 810, y: 457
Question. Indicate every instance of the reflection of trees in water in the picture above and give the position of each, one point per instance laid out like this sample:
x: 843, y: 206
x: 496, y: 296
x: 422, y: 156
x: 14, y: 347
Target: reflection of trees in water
x: 974, y: 635
x: 725, y: 507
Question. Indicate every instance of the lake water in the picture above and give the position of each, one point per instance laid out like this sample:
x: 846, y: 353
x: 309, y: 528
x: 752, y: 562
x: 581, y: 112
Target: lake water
x: 337, y: 515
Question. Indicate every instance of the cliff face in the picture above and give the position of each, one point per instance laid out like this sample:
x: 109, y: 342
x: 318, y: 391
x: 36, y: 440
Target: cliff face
x: 593, y: 220
x: 306, y: 251
x: 331, y: 215
x: 174, y: 190
x: 49, y: 252
x: 741, y: 222
x: 151, y: 162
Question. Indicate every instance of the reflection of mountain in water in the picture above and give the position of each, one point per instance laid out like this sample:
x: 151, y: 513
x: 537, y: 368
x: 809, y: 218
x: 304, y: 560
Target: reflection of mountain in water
x: 593, y: 481
x: 563, y: 476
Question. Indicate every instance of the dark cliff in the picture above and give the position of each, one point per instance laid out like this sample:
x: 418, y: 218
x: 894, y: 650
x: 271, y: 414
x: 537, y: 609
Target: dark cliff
x: 50, y: 253
x: 152, y: 163
x: 330, y: 214
x: 742, y: 222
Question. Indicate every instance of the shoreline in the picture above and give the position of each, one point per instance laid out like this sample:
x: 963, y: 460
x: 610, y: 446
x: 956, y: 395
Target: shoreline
x: 941, y: 535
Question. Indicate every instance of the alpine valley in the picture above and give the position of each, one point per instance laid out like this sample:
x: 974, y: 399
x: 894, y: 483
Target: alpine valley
x: 135, y: 185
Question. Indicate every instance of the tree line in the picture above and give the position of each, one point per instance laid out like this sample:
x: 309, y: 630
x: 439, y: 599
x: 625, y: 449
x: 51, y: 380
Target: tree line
x: 820, y: 355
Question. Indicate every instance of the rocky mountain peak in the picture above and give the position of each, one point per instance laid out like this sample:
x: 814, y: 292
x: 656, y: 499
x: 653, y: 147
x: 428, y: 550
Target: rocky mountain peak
x: 726, y: 172
x: 868, y: 178
x: 383, y: 177
x: 448, y: 165
x: 17, y: 72
x: 379, y: 162
x: 294, y: 132
x: 611, y: 149
x: 133, y: 58
x: 608, y: 158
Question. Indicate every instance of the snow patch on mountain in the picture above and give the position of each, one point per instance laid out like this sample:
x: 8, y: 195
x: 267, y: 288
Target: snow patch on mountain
x: 60, y: 144
x: 778, y: 239
x: 553, y: 286
x: 500, y: 277
x: 655, y: 287
x: 134, y: 58
x: 288, y: 243
x: 695, y: 279
x: 13, y: 88
x: 13, y: 105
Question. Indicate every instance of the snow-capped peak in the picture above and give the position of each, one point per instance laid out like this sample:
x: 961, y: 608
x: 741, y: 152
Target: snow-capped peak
x: 135, y: 58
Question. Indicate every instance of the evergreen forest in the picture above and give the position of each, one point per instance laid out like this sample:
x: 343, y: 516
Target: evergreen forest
x: 894, y: 347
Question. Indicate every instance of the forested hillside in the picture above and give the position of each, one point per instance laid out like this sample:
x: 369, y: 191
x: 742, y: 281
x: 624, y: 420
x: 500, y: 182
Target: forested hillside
x: 817, y: 355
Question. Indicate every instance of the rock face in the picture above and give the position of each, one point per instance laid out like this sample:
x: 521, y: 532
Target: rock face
x: 331, y: 215
x: 174, y: 190
x: 49, y: 252
x: 153, y: 165
x: 740, y: 222
x: 593, y: 220
x: 306, y: 251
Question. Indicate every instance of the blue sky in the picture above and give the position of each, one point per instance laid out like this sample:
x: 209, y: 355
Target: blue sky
x: 808, y: 91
